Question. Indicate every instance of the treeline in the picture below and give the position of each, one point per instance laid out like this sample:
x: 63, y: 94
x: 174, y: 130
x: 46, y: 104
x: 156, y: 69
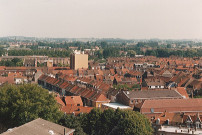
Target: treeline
x: 107, y: 49
x: 1, y: 51
x: 50, y: 53
x: 148, y: 44
x: 12, y: 63
x: 80, y: 45
x: 171, y: 52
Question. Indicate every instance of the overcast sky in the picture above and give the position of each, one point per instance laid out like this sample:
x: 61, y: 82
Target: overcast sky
x: 166, y: 19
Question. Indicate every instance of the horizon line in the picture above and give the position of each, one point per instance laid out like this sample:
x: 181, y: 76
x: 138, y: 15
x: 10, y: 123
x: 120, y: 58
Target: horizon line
x: 105, y: 38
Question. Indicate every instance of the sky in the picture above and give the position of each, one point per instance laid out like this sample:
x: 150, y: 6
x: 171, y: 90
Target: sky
x: 129, y: 19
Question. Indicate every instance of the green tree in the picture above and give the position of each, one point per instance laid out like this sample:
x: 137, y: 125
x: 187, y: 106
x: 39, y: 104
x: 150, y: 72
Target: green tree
x: 119, y: 122
x: 108, y: 121
x: 74, y: 122
x: 122, y: 87
x: 136, y: 86
x: 169, y: 46
x: 131, y: 53
x: 104, y: 44
x: 132, y: 123
x: 150, y: 53
x: 20, y: 104
x: 91, y: 122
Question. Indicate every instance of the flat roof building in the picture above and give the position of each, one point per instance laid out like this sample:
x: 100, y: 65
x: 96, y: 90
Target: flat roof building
x: 116, y: 106
x: 171, y: 130
x: 78, y: 60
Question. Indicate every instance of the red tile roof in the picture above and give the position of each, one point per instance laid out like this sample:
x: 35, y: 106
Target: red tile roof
x: 73, y: 100
x: 76, y: 109
x: 182, y: 91
x: 101, y: 98
x: 172, y: 105
x: 59, y: 101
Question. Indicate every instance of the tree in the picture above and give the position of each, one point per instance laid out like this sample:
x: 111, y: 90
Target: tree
x: 108, y: 121
x: 71, y: 121
x: 131, y: 53
x: 136, y: 86
x: 59, y: 65
x: 122, y: 87
x: 99, y: 54
x: 103, y: 44
x: 91, y: 122
x: 119, y: 122
x: 132, y: 123
x: 162, y: 53
x: 169, y: 46
x: 150, y: 53
x: 20, y: 104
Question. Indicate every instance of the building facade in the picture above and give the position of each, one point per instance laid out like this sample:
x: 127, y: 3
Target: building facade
x: 78, y: 60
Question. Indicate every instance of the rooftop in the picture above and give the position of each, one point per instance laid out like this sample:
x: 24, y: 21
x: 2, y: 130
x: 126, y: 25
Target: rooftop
x: 154, y: 94
x: 39, y: 127
x: 172, y: 129
x: 117, y: 105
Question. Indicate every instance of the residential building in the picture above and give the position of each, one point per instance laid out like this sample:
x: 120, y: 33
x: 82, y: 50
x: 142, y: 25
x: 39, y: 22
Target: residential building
x: 133, y: 98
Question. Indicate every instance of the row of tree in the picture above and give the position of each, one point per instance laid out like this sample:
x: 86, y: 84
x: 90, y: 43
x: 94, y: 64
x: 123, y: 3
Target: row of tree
x: 50, y: 53
x: 20, y: 104
x: 12, y: 63
x: 109, y: 122
x: 171, y: 52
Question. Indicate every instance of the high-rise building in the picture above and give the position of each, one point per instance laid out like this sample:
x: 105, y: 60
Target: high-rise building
x: 78, y: 60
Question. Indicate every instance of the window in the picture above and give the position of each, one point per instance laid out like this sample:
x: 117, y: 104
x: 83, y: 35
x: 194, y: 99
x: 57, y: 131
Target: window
x: 197, y: 124
x: 188, y: 124
x: 167, y: 121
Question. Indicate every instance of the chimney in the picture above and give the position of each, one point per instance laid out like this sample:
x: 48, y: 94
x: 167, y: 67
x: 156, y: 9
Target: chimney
x: 35, y: 62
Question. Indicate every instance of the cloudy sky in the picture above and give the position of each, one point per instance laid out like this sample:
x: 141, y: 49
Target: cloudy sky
x: 166, y: 19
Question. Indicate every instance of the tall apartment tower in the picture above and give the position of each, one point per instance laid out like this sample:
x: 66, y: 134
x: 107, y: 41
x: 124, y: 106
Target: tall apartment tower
x: 78, y: 60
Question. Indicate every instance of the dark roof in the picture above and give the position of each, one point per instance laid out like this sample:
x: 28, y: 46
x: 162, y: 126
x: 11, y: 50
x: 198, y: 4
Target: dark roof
x: 39, y: 127
x: 152, y: 94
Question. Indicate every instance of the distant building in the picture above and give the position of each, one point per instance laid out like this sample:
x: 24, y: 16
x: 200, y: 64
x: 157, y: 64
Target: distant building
x: 78, y: 60
x: 31, y: 61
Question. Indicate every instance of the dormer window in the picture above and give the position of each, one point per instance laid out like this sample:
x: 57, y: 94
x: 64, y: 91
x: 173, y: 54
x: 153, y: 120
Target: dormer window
x: 158, y: 121
x: 189, y: 121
